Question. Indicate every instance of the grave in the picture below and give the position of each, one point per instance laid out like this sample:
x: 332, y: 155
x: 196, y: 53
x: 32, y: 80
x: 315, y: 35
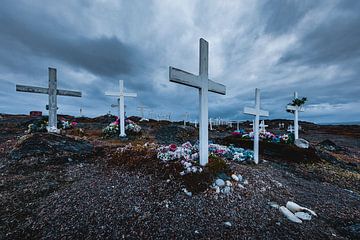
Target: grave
x: 296, y: 110
x: 204, y: 84
x: 53, y: 92
x: 121, y: 105
x: 257, y: 112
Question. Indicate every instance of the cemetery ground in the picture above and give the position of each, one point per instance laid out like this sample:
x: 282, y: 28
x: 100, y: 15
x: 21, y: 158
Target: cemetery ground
x: 78, y: 185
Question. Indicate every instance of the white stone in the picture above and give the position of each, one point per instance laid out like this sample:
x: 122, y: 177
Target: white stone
x: 219, y: 182
x: 187, y: 192
x: 241, y: 186
x: 121, y: 102
x: 204, y: 84
x: 235, y: 177
x: 53, y: 92
x: 301, y: 143
x: 217, y: 189
x: 226, y: 190
x: 303, y: 216
x: 294, y: 207
x: 257, y: 112
x: 289, y: 215
x: 227, y: 224
x: 228, y: 183
x: 240, y: 177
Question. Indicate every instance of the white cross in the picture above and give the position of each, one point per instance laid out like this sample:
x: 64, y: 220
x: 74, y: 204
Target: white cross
x: 290, y: 129
x: 210, y: 124
x: 257, y: 112
x: 263, y: 126
x: 53, y: 92
x: 195, y: 123
x: 121, y: 99
x: 204, y: 84
x: 141, y: 110
x: 296, y: 110
x: 186, y: 117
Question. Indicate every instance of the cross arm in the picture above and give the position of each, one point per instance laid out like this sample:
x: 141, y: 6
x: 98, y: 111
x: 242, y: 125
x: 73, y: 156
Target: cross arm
x: 68, y: 93
x: 24, y: 88
x: 130, y: 94
x: 112, y: 94
x: 191, y: 80
x: 294, y: 108
x: 253, y: 111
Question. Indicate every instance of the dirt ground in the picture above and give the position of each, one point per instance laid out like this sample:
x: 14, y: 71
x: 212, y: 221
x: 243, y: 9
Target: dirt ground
x: 117, y: 191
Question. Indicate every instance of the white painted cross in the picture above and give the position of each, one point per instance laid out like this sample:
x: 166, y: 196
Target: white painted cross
x: 53, y: 92
x: 195, y: 123
x: 204, y: 84
x: 210, y: 124
x: 141, y: 110
x: 121, y: 99
x: 296, y: 110
x: 257, y: 112
x: 263, y: 126
x: 186, y: 117
x: 290, y: 129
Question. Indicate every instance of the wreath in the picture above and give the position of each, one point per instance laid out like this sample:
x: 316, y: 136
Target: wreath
x: 297, y: 102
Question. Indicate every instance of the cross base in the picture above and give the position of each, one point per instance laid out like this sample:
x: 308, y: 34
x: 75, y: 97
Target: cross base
x: 123, y: 138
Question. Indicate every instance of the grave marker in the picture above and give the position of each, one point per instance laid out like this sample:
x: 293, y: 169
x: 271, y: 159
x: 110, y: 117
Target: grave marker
x: 53, y: 92
x: 204, y: 84
x: 121, y: 99
x: 257, y: 112
x: 296, y: 110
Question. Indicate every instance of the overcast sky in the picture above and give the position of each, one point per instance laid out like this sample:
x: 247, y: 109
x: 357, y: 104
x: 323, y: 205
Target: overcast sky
x: 312, y: 47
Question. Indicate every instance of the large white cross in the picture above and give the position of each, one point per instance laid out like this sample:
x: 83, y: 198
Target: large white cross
x: 204, y: 84
x: 257, y: 112
x: 121, y: 95
x: 296, y: 110
x: 53, y: 92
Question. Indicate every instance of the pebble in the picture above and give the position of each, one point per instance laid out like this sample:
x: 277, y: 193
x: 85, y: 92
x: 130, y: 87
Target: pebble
x: 187, y: 192
x: 217, y: 189
x: 228, y: 183
x: 226, y: 190
x: 240, y: 185
x: 289, y: 215
x: 227, y: 224
x: 219, y: 182
x: 236, y: 178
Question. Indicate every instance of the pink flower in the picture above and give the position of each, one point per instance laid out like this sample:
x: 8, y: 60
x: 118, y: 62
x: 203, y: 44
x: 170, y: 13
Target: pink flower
x: 73, y: 124
x: 172, y: 147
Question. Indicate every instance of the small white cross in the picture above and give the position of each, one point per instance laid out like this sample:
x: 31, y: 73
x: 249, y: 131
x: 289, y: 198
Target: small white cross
x: 257, y: 112
x: 121, y: 104
x: 296, y: 110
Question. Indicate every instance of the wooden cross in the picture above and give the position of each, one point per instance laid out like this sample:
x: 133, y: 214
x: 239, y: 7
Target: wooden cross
x: 296, y: 110
x: 204, y: 84
x: 121, y: 104
x: 53, y: 92
x: 257, y: 112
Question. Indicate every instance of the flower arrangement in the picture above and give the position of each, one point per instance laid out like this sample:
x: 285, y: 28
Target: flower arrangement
x: 297, y: 102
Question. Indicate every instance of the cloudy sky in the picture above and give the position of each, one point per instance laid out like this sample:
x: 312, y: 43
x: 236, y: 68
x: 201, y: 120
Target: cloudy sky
x: 279, y: 46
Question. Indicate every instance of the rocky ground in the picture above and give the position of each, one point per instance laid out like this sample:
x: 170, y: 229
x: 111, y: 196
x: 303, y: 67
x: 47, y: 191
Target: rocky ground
x: 80, y: 186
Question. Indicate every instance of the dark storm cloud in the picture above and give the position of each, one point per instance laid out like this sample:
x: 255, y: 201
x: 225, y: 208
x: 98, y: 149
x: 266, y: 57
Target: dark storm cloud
x: 280, y: 46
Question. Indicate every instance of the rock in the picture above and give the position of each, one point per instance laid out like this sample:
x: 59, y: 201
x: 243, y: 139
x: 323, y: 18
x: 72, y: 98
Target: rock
x: 219, y: 182
x: 240, y: 177
x: 235, y: 178
x: 330, y: 146
x: 217, y: 189
x: 228, y: 183
x: 297, y: 208
x: 301, y: 143
x: 187, y: 192
x: 40, y: 144
x: 289, y: 215
x: 226, y: 190
x: 303, y: 216
x: 240, y: 185
x: 274, y: 205
x: 227, y: 224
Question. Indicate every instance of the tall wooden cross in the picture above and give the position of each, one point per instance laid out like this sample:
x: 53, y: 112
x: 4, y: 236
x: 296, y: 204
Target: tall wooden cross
x: 121, y: 99
x: 53, y: 92
x: 296, y: 110
x: 204, y: 84
x: 257, y: 112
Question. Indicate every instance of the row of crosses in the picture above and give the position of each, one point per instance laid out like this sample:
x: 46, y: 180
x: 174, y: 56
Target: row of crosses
x: 200, y: 81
